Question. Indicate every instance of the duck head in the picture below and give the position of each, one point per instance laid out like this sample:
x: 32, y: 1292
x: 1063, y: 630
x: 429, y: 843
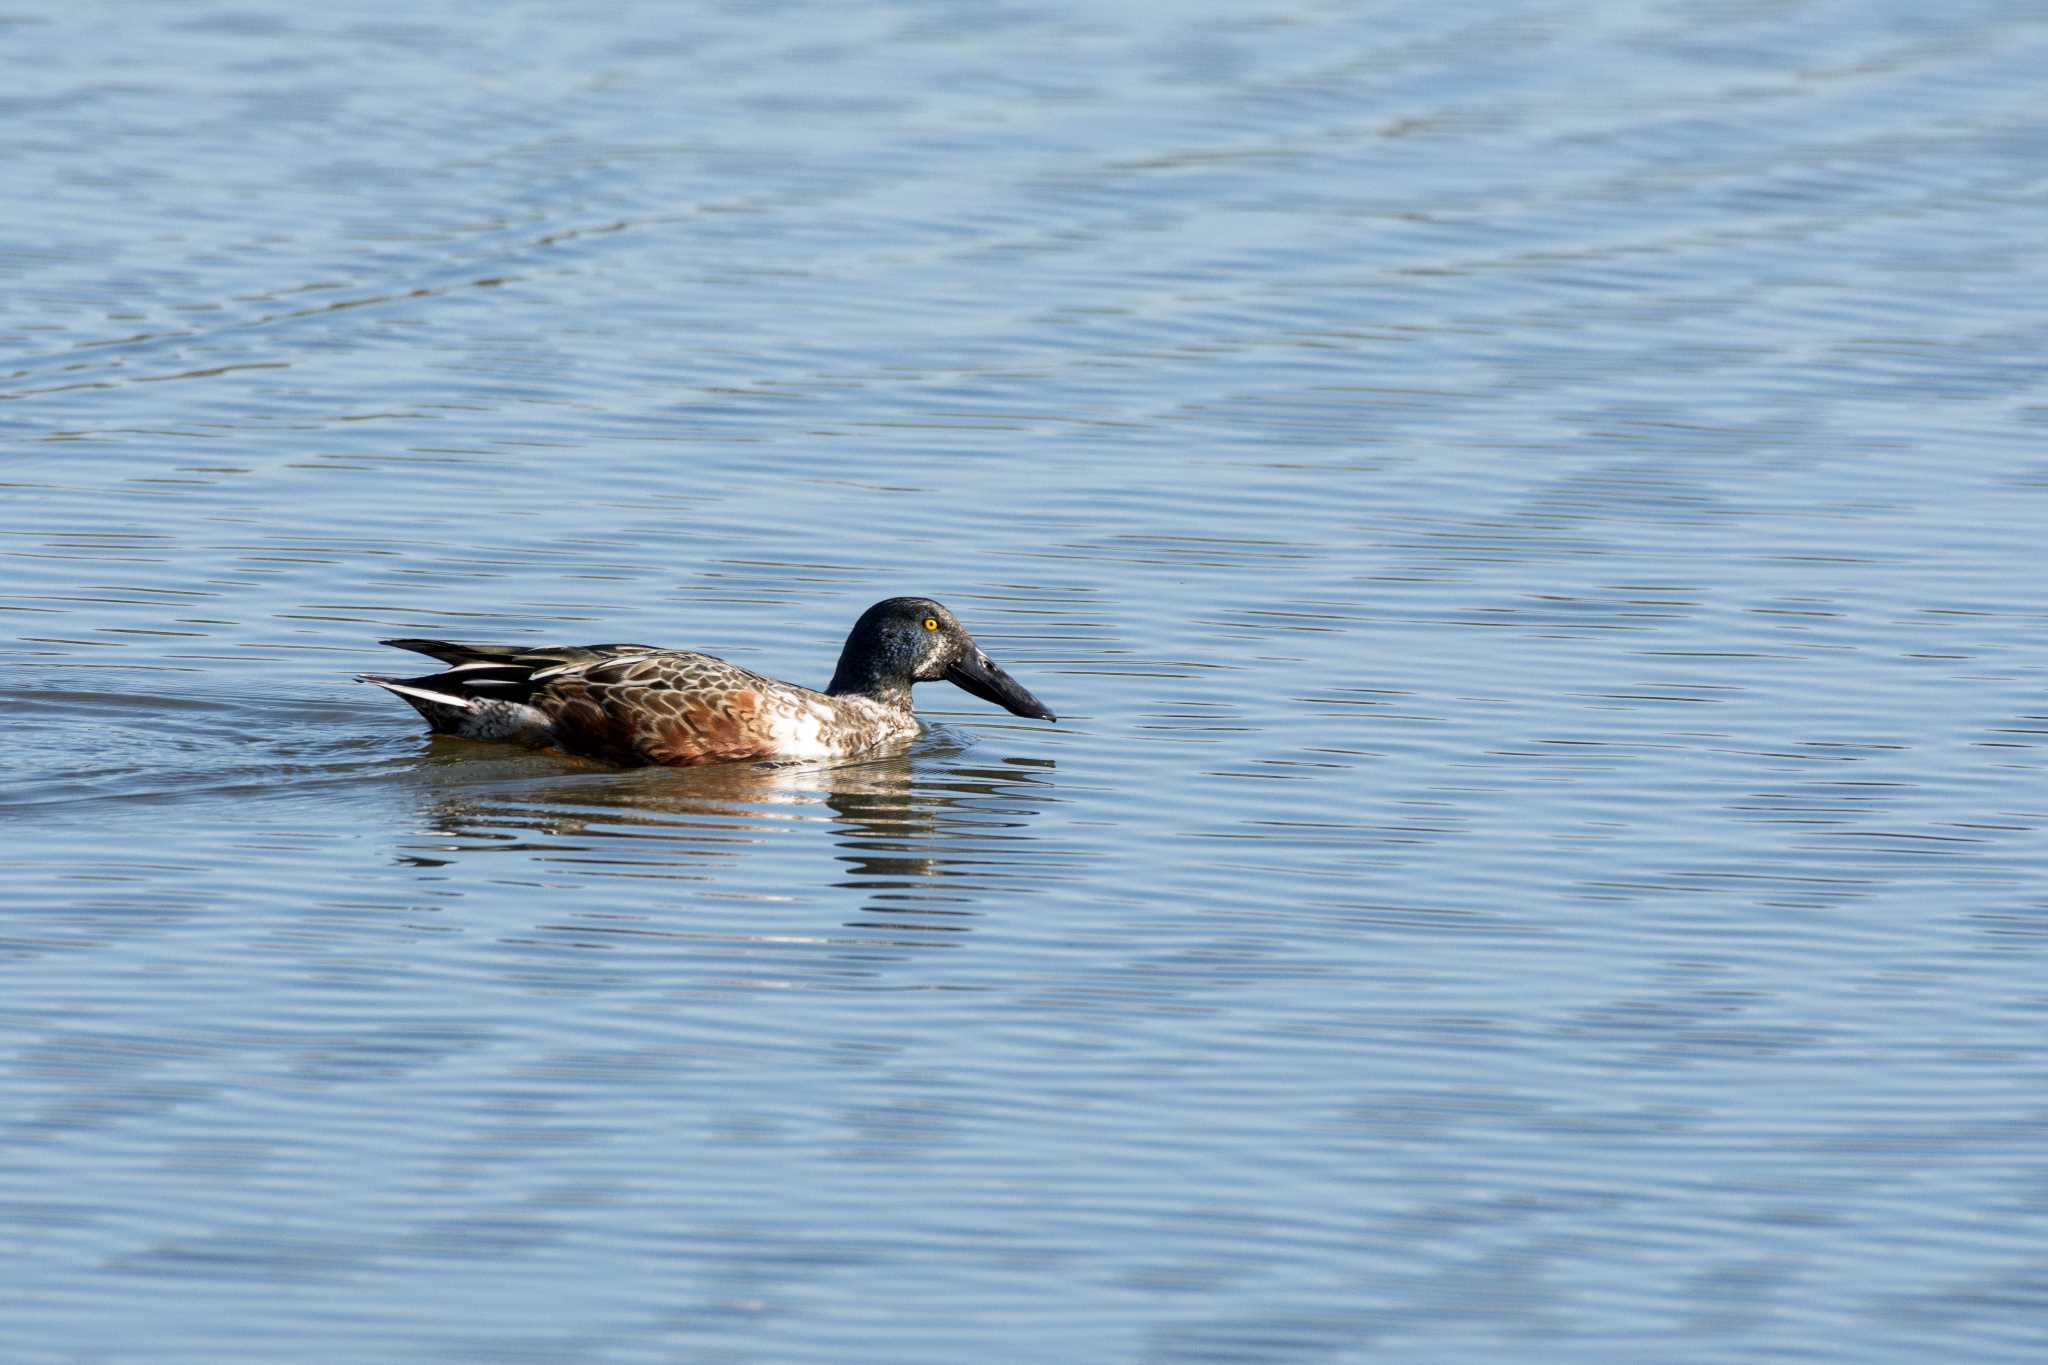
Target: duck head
x: 908, y: 640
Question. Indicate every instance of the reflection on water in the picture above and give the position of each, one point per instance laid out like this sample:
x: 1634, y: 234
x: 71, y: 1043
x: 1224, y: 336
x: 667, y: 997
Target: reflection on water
x: 926, y: 838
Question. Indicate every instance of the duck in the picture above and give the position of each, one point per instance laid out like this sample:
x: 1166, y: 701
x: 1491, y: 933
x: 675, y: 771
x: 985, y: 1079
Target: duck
x: 640, y: 705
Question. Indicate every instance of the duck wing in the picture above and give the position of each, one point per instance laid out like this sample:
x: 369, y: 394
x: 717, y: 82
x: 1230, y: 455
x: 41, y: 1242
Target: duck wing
x: 532, y: 657
x: 667, y: 706
x: 623, y: 703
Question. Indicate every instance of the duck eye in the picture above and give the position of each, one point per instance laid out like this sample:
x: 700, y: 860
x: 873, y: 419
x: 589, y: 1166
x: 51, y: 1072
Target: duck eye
x: 931, y: 623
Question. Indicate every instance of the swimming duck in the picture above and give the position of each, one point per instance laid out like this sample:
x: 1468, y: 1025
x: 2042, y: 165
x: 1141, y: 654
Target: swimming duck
x: 636, y: 704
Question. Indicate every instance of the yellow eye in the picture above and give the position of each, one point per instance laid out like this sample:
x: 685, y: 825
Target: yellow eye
x: 931, y: 623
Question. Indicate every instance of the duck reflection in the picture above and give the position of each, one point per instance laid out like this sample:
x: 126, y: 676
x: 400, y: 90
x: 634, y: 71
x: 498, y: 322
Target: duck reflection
x: 929, y: 832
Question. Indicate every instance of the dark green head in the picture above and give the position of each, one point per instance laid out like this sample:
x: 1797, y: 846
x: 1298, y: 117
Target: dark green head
x: 909, y: 640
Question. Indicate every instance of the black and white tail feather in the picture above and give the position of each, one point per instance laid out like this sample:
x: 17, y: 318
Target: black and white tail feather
x: 483, y: 693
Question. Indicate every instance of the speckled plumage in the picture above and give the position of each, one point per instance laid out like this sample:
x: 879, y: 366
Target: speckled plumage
x: 636, y: 704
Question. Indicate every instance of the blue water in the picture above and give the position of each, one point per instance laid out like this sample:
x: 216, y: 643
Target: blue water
x: 1532, y: 518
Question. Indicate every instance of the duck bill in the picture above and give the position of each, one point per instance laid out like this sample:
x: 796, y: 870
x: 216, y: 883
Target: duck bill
x: 977, y: 673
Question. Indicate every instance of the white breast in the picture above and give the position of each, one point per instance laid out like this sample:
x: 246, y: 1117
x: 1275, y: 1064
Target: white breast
x: 799, y: 732
x: 828, y: 728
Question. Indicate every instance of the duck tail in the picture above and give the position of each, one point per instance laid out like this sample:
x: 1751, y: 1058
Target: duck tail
x: 445, y: 712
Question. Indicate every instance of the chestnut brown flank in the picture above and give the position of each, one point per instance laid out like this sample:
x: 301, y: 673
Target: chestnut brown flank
x: 708, y: 732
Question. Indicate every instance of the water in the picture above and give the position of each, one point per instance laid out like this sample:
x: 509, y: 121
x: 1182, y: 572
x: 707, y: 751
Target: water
x: 1531, y: 518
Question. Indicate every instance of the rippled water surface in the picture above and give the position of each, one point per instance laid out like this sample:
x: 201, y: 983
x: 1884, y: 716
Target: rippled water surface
x: 1531, y: 515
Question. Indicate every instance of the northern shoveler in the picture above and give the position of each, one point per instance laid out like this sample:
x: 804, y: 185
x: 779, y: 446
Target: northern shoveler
x: 635, y: 704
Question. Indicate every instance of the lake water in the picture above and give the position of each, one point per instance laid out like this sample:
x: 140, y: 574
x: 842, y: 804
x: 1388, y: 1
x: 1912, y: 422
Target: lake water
x: 1532, y: 517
